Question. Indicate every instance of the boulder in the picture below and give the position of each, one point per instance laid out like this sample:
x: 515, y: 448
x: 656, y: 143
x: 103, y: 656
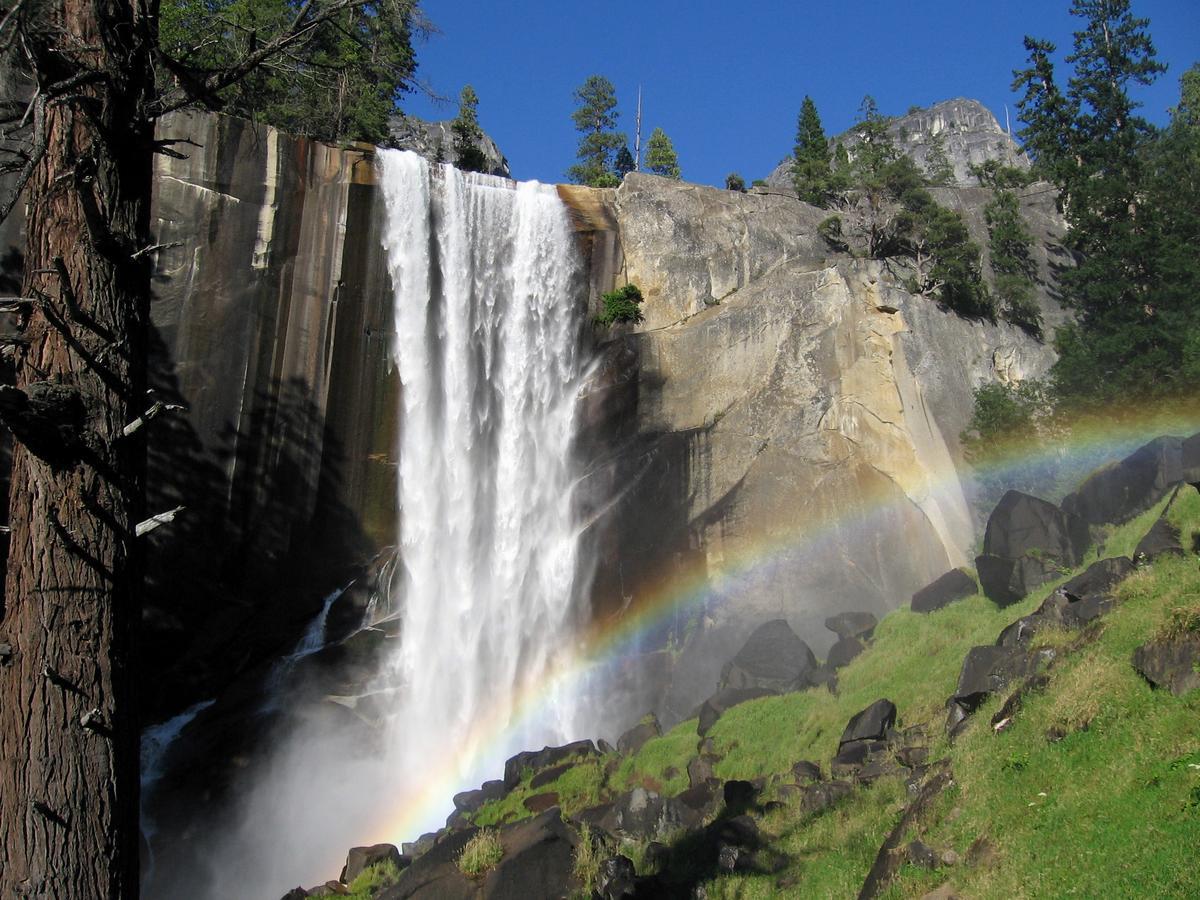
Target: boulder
x: 1098, y: 579
x: 471, y: 801
x: 1007, y: 581
x: 1021, y: 524
x: 617, y: 880
x: 1120, y: 491
x: 854, y: 755
x: 716, y: 705
x: 361, y: 858
x: 604, y: 746
x: 644, y: 815
x: 841, y: 653
x: 1173, y: 664
x: 1161, y: 540
x: 987, y: 670
x: 539, y: 803
x: 823, y: 676
x: 738, y: 796
x: 806, y: 771
x: 954, y: 585
x: 1189, y: 463
x: 548, y: 776
x: 700, y: 770
x: 296, y: 893
x: 852, y: 625
x: 872, y: 723
x: 631, y: 741
x: 773, y: 658
x: 921, y: 855
x: 701, y: 798
x: 820, y: 797
x: 1082, y: 599
x: 537, y: 760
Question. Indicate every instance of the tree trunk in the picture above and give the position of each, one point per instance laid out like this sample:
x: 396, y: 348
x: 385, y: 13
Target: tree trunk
x: 68, y: 726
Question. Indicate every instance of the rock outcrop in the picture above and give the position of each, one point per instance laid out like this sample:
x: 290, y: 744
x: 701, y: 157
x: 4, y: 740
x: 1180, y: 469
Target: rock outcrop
x: 435, y: 141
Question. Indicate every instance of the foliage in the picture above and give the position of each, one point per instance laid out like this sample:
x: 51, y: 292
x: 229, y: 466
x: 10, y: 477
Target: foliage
x: 1003, y: 413
x: 998, y: 176
x: 830, y: 229
x: 468, y: 135
x: 482, y: 853
x: 660, y: 155
x: 624, y: 163
x: 591, y: 851
x: 621, y: 305
x: 938, y: 168
x: 342, y: 84
x: 1013, y: 268
x: 811, y: 157
x: 373, y: 880
x: 735, y: 182
x: 595, y: 118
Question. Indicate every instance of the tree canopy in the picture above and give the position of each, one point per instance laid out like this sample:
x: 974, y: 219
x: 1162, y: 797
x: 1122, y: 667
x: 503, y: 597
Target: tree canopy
x: 468, y: 153
x: 595, y: 119
x: 811, y: 157
x: 660, y: 155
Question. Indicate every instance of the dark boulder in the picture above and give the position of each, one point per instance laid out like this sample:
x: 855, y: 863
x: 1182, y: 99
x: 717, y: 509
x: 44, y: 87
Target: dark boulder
x: 618, y: 878
x: 872, y: 723
x: 1022, y: 523
x: 700, y: 770
x: 471, y: 801
x: 853, y: 755
x: 1161, y: 540
x: 773, y: 658
x: 1007, y: 581
x: 1120, y: 491
x: 701, y: 798
x: 539, y: 803
x: 716, y: 705
x: 644, y: 815
x: 820, y: 797
x: 852, y: 625
x: 1190, y: 461
x: 921, y: 855
x: 1173, y: 664
x: 954, y: 585
x: 296, y: 893
x: 361, y: 858
x: 1099, y: 579
x: 549, y: 776
x: 1082, y: 599
x: 543, y: 759
x: 604, y: 746
x: 631, y: 741
x: 841, y: 653
x: 806, y: 771
x: 823, y: 676
x: 738, y: 796
x: 988, y: 670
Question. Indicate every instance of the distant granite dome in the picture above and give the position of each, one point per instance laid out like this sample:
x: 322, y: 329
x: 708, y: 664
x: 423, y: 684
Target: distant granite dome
x: 972, y: 136
x: 435, y: 142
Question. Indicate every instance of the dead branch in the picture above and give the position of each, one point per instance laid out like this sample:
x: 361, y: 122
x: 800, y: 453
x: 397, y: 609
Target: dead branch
x: 148, y: 525
x: 154, y: 248
x: 156, y: 409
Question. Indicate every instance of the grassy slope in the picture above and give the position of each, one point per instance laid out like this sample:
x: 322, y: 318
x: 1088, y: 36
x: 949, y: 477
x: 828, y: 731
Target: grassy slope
x: 1120, y: 815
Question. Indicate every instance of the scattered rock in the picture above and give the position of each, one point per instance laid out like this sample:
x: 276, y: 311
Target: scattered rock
x: 853, y: 755
x: 988, y: 670
x: 633, y: 739
x: 1028, y: 542
x: 852, y: 625
x: 954, y: 585
x: 1098, y: 580
x: 949, y: 858
x: 539, y: 803
x: 701, y: 798
x: 1008, y: 581
x: 1161, y: 540
x: 548, y: 776
x: 738, y: 796
x: 872, y: 723
x: 820, y: 797
x: 644, y: 815
x: 1120, y: 491
x: 700, y: 770
x: 360, y: 858
x: 1173, y: 664
x: 604, y: 746
x: 841, y: 653
x: 543, y: 759
x: 888, y: 859
x: 1190, y: 461
x: 823, y: 676
x: 657, y: 856
x: 716, y: 705
x: 921, y: 855
x: 875, y: 769
x: 471, y: 801
x: 806, y: 771
x: 618, y: 879
x: 945, y: 892
x: 773, y: 658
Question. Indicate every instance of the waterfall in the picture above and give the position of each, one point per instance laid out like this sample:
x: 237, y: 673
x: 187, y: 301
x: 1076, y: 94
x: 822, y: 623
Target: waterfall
x: 487, y: 286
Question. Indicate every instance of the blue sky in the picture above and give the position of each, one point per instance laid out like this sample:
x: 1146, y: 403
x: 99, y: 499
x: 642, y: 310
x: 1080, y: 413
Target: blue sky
x: 725, y: 80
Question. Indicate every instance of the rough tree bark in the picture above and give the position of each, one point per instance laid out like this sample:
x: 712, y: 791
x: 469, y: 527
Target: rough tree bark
x: 68, y: 732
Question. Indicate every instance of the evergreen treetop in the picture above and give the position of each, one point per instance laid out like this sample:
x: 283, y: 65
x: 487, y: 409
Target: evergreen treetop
x: 595, y: 118
x: 811, y: 158
x: 467, y: 134
x: 660, y: 155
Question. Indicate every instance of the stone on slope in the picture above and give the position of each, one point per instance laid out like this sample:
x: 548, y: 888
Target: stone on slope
x: 820, y: 797
x: 1007, y: 581
x: 618, y: 879
x: 631, y: 741
x: 852, y: 625
x: 1028, y: 542
x: 870, y: 724
x: 1122, y: 490
x: 700, y: 770
x: 644, y: 815
x: 1161, y: 540
x: 954, y: 585
x: 806, y: 771
x: 986, y: 670
x: 1173, y: 664
x: 470, y: 801
x: 361, y: 858
x: 1098, y: 580
x: 841, y: 653
x: 536, y: 760
x: 773, y: 658
x: 1074, y: 604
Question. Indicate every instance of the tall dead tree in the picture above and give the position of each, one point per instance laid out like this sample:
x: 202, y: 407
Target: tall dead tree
x: 77, y: 138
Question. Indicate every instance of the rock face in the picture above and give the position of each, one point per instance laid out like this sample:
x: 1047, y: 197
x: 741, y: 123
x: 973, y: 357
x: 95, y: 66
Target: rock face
x: 969, y: 130
x: 435, y: 141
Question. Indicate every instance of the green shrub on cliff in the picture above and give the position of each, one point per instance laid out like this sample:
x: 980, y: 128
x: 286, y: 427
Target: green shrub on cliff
x: 482, y: 853
x: 621, y: 305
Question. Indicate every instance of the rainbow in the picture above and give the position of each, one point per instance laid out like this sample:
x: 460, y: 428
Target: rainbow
x: 1082, y: 444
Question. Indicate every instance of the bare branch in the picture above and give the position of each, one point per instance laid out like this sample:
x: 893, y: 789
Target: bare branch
x: 162, y: 518
x: 156, y: 409
x: 154, y: 248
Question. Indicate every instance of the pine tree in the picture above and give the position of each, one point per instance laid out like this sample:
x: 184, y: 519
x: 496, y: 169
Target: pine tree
x: 468, y: 136
x: 624, y: 163
x: 938, y: 168
x: 595, y: 119
x: 811, y: 158
x: 660, y: 155
x: 1013, y: 268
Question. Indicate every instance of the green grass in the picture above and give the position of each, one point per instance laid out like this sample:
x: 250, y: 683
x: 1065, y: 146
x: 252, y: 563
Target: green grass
x: 373, y: 879
x: 1111, y: 809
x: 481, y: 853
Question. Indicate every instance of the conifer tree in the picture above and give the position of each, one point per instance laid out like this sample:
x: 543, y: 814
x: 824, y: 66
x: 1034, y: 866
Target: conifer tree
x: 811, y: 158
x: 468, y: 152
x: 938, y: 168
x: 1013, y: 268
x: 623, y: 164
x: 595, y: 119
x: 660, y: 155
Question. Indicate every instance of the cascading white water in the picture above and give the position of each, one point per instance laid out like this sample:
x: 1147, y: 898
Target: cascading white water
x: 487, y: 314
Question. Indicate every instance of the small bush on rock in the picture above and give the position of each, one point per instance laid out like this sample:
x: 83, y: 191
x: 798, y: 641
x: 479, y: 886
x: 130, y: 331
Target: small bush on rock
x: 621, y: 305
x: 373, y: 880
x: 481, y: 854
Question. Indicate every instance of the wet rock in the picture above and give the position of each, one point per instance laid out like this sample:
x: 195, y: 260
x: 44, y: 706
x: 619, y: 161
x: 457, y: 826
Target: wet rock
x: 605, y: 747
x: 820, y: 797
x: 872, y: 723
x: 1173, y: 664
x: 537, y: 760
x: 633, y: 739
x: 1161, y: 540
x: 618, y: 879
x: 841, y: 653
x: 360, y: 858
x: 954, y: 585
x: 715, y: 706
x: 1120, y: 491
x: 852, y: 625
x: 773, y: 658
x: 471, y: 801
x: 805, y: 771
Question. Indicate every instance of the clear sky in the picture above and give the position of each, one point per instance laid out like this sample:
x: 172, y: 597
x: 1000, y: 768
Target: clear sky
x: 725, y: 80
